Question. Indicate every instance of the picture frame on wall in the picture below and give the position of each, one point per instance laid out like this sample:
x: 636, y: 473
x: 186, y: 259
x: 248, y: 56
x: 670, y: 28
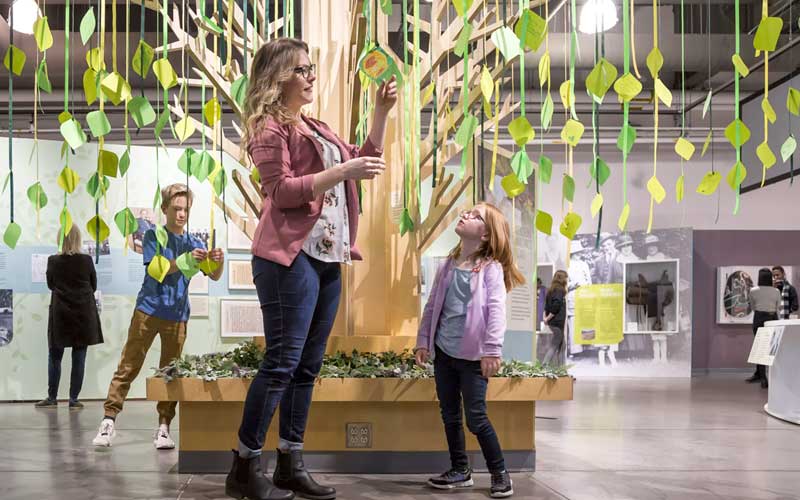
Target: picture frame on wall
x: 240, y: 275
x: 733, y: 292
x: 198, y: 284
x: 240, y: 317
x: 237, y: 240
x: 198, y: 306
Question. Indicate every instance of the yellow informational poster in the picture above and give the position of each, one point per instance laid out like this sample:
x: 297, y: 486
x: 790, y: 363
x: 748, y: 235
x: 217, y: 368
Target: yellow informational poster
x: 598, y: 314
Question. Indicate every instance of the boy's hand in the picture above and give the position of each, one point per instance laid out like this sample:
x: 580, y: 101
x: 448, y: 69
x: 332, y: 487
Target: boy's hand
x: 421, y: 357
x: 199, y: 254
x: 490, y: 365
x: 217, y: 255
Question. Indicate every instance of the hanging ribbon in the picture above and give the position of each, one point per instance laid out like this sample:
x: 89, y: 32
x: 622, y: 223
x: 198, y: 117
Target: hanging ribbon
x: 655, y: 121
x: 407, y: 112
x: 627, y: 18
x: 679, y: 187
x: 11, y: 242
x: 791, y: 116
x: 632, y: 36
x: 736, y: 109
x: 417, y: 106
x: 464, y: 99
x: 764, y: 14
x: 244, y: 23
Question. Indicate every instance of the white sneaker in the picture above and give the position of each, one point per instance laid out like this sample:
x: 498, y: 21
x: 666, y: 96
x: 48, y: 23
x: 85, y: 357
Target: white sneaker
x: 162, y: 440
x: 105, y: 434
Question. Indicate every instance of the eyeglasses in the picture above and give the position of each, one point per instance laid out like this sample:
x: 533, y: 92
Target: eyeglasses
x: 306, y: 71
x: 467, y: 214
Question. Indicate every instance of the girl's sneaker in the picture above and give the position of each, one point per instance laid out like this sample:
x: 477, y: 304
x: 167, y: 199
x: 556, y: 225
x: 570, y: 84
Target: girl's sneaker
x: 452, y: 479
x: 501, y: 485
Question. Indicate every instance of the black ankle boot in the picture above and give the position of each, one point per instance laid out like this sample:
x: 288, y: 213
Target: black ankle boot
x: 247, y: 480
x: 291, y: 474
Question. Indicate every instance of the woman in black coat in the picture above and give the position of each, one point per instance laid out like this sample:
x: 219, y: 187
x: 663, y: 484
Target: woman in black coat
x: 555, y: 310
x: 73, y: 321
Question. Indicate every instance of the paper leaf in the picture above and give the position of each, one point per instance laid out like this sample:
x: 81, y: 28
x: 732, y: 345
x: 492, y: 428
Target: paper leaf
x: 165, y: 73
x: 19, y: 60
x: 97, y: 229
x: 116, y: 88
x: 707, y: 104
x: 184, y: 128
x: 793, y: 101
x: 663, y: 93
x: 601, y: 78
x: 11, y: 235
x: 65, y: 219
x: 622, y: 222
x: 572, y: 132
x: 386, y: 7
x: 766, y: 155
x: 655, y: 60
x: 535, y: 29
x: 142, y: 59
x: 158, y: 268
x: 521, y: 131
x: 788, y: 148
x: 218, y: 178
x: 512, y: 186
x: 63, y: 117
x: 204, y: 167
x: 157, y: 197
x: 629, y: 133
x: 42, y: 78
x: 769, y: 29
x: 567, y: 94
x: 162, y: 122
x: 212, y: 112
x: 736, y: 175
x: 506, y: 42
x: 162, y: 237
x: 545, y: 169
x: 239, y: 90
x: 544, y: 69
x: 37, y: 195
x: 107, y: 162
x: 255, y: 177
x: 627, y: 87
x: 706, y: 143
x: 88, y: 24
x: 379, y: 66
x: 42, y: 34
x: 600, y: 171
x: 544, y: 222
x: 656, y: 190
x: 768, y: 110
x: 406, y: 223
x: 572, y: 223
x: 568, y: 188
x: 462, y: 43
x: 709, y: 184
x: 684, y: 148
x: 487, y: 85
x: 208, y: 266
x: 462, y: 6
x: 740, y: 66
x: 188, y: 160
x: 89, y: 86
x: 467, y: 129
x: 547, y: 112
x: 679, y: 188
x: 744, y: 133
x: 187, y: 265
x: 126, y: 222
x: 427, y: 94
x: 597, y: 204
x: 141, y: 111
x: 211, y: 25
x: 72, y: 132
x: 98, y: 123
x: 521, y: 166
x: 96, y: 187
x: 94, y: 61
x: 68, y: 180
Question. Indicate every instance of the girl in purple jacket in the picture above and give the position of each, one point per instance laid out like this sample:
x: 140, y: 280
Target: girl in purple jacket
x: 463, y: 325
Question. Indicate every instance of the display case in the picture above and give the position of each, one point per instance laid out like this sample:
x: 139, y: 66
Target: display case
x: 650, y: 304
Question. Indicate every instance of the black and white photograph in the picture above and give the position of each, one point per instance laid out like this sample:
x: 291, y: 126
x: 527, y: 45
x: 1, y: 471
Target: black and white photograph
x: 6, y: 317
x: 90, y: 247
x: 146, y: 218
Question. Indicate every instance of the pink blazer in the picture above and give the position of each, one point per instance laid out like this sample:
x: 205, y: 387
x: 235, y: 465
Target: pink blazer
x: 287, y: 159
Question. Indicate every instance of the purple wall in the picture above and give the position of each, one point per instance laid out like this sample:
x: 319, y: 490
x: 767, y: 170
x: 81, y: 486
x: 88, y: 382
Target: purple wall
x: 727, y: 346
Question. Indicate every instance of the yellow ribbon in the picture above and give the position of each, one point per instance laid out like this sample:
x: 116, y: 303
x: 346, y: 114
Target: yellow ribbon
x: 655, y: 118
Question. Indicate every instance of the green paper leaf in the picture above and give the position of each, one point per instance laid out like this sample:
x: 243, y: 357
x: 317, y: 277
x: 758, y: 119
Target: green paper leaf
x: 547, y: 112
x: 622, y: 222
x: 255, y: 176
x: 5, y: 182
x: 211, y: 25
x: 655, y: 60
x: 239, y: 90
x: 535, y: 29
x: 744, y: 133
x: 141, y: 111
x: 521, y: 166
x: 43, y: 79
x: 788, y: 148
x: 706, y: 143
x: 679, y: 188
x: 736, y: 175
x: 627, y: 87
x: 212, y: 112
x: 19, y: 60
x: 184, y: 129
x: 506, y: 42
x: 597, y: 204
x: 684, y: 148
x: 601, y: 78
x: 793, y: 101
x: 512, y: 186
x: 11, y: 235
x: 708, y: 185
x: 707, y: 104
x: 768, y: 110
x: 124, y: 163
x: 218, y: 178
x: 162, y: 122
x: 157, y: 197
x: 521, y: 131
x: 462, y: 6
x: 68, y: 180
x: 97, y: 188
x: 65, y: 219
x: 379, y: 66
x: 568, y: 188
x: 107, y: 162
x: 142, y: 59
x: 544, y: 69
x: 544, y: 222
x: 94, y: 61
x: 115, y: 88
x: 406, y: 224
x: 572, y: 223
x: 88, y: 24
x: 386, y: 7
x: 208, y: 266
x: 462, y: 42
x: 572, y: 132
x: 769, y: 29
x: 663, y: 93
x: 740, y: 66
x: 42, y: 34
x: 467, y: 129
x: 37, y: 195
x: 89, y: 86
x: 656, y: 190
x: 98, y: 123
x: 766, y: 155
x: 126, y: 222
x: 204, y: 167
x: 187, y: 265
x: 165, y: 73
x: 545, y: 169
x: 98, y: 229
x: 158, y: 268
x: 600, y: 171
x: 188, y: 160
x: 161, y: 236
x: 63, y: 117
x: 629, y: 133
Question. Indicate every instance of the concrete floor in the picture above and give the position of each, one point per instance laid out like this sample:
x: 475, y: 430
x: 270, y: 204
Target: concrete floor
x: 696, y: 439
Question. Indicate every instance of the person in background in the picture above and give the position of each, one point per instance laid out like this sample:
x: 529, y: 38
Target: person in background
x: 607, y: 269
x: 541, y: 295
x: 651, y: 241
x: 555, y: 315
x: 789, y: 303
x: 73, y: 321
x: 625, y: 247
x: 765, y: 301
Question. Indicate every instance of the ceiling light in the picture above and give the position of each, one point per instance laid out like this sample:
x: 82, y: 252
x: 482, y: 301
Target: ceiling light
x: 25, y: 13
x: 597, y: 16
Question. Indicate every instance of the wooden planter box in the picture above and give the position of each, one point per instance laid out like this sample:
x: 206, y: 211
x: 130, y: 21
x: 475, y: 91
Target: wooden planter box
x: 357, y: 425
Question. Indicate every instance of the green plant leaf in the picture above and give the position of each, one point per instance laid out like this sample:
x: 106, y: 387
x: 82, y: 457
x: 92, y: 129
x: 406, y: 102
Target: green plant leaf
x: 88, y: 24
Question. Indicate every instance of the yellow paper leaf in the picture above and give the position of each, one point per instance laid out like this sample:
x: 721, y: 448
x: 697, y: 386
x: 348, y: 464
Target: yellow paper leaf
x: 709, y: 183
x: 165, y: 73
x: 487, y: 84
x: 158, y: 268
x: 627, y: 87
x: 116, y: 88
x: 94, y: 61
x: 663, y: 93
x: 740, y: 66
x: 766, y: 155
x: 684, y: 148
x: 622, y: 222
x: 521, y: 131
x: 208, y: 266
x: 68, y: 180
x: 768, y: 110
x: 706, y: 144
x: 512, y: 186
x: 572, y: 132
x: 679, y: 188
x: 212, y: 112
x: 184, y: 128
x: 427, y: 95
x: 97, y: 228
x: 597, y: 204
x: 544, y: 69
x: 90, y: 86
x: 656, y: 190
x: 567, y: 96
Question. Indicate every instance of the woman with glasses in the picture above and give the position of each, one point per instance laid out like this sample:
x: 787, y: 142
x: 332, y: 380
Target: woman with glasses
x: 307, y: 230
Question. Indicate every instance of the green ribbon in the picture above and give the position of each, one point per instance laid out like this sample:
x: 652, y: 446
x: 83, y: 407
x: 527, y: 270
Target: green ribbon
x: 464, y: 95
x: 418, y: 109
x: 626, y: 107
x: 737, y: 108
x: 573, y: 49
x: 244, y: 54
x: 407, y: 112
x: 11, y: 117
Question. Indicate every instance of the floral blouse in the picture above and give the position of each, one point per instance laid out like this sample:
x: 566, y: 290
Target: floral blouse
x: 329, y: 240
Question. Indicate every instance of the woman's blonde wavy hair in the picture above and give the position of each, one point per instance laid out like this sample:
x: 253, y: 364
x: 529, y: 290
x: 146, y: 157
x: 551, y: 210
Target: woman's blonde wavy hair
x: 273, y: 66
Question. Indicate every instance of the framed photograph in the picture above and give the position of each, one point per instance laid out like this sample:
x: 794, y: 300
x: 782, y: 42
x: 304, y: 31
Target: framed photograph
x: 238, y: 241
x: 651, y: 299
x: 240, y: 275
x: 198, y: 306
x: 199, y: 284
x: 240, y: 317
x: 733, y: 292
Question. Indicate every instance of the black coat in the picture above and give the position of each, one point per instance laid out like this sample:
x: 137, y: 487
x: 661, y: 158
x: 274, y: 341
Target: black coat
x: 555, y: 304
x: 73, y: 320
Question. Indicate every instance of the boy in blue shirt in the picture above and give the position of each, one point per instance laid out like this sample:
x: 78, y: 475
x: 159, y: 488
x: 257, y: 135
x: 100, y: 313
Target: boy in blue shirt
x: 161, y: 309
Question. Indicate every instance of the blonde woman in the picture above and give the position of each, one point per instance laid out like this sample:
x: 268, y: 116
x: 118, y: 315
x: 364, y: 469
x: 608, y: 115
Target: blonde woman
x: 73, y: 321
x: 306, y: 231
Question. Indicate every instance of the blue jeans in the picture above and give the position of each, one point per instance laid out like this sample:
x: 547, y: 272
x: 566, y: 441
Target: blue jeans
x: 54, y: 371
x: 457, y: 378
x: 299, y: 305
